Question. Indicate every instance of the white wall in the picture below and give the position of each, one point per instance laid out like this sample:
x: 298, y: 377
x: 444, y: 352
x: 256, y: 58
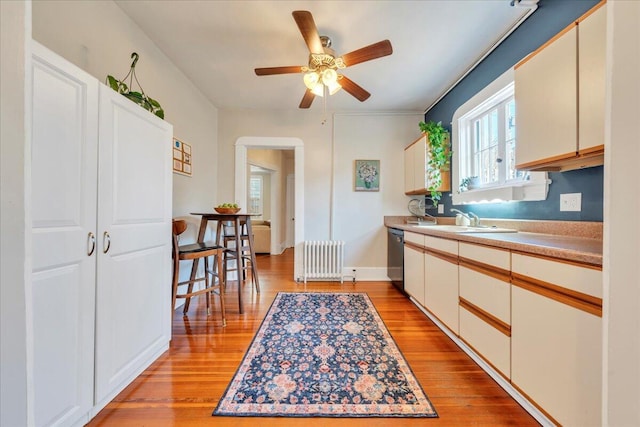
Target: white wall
x: 621, y: 314
x: 15, y: 17
x: 305, y: 125
x: 356, y: 218
x: 98, y: 37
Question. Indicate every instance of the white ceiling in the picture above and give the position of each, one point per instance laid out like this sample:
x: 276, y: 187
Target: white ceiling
x: 217, y: 44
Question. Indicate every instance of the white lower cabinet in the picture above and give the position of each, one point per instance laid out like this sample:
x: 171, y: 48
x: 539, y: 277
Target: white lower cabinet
x: 536, y: 321
x: 101, y: 237
x: 414, y: 266
x: 441, y: 280
x: 485, y: 303
x: 556, y: 338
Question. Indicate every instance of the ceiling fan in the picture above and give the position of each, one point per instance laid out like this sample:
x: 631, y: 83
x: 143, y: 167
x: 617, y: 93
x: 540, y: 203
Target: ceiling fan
x: 321, y: 74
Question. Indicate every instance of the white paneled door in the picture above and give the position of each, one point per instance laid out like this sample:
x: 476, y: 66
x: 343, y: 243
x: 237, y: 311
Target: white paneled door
x: 63, y: 183
x: 134, y: 235
x: 101, y: 186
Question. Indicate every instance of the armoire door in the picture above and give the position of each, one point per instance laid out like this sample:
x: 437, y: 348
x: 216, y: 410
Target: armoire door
x: 134, y: 234
x: 64, y: 159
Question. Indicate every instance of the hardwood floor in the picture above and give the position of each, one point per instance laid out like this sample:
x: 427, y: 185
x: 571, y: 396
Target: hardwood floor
x: 183, y: 386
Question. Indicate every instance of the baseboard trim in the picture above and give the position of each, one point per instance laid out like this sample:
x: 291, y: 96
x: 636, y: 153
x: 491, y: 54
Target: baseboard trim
x: 365, y: 274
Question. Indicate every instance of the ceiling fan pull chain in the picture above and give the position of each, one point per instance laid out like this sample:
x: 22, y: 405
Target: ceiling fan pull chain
x: 324, y: 105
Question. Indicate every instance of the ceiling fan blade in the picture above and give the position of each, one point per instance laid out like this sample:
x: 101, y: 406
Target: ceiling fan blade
x: 307, y: 99
x: 358, y: 92
x: 367, y: 53
x: 309, y: 31
x: 278, y: 70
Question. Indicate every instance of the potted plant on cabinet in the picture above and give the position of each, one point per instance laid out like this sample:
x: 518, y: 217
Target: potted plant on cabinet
x: 439, y: 156
x: 140, y: 98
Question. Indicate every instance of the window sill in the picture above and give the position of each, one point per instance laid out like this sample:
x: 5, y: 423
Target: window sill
x: 522, y: 191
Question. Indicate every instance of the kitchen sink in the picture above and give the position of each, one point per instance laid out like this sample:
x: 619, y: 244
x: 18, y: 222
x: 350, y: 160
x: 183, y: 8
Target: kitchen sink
x: 467, y: 229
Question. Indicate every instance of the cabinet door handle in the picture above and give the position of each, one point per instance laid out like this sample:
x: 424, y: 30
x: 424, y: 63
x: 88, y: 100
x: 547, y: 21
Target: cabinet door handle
x: 91, y: 240
x: 106, y: 239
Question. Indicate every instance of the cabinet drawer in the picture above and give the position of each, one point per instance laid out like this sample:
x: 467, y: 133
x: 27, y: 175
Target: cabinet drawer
x: 585, y: 280
x: 444, y: 245
x: 494, y: 257
x: 415, y: 238
x: 490, y: 294
x: 493, y: 345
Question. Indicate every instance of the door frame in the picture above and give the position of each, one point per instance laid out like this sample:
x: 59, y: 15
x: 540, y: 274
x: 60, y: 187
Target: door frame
x: 289, y: 221
x: 284, y: 143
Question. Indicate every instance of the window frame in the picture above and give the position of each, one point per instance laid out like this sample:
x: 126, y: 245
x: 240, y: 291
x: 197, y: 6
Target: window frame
x: 260, y: 206
x: 531, y: 186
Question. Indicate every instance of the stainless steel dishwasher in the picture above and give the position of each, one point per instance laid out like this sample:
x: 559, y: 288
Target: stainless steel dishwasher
x: 395, y: 257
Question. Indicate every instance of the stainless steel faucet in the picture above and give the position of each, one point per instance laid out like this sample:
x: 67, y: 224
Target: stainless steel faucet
x: 431, y: 218
x: 474, y: 220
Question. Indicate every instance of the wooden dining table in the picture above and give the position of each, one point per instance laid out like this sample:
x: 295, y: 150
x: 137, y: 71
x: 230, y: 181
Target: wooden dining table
x: 239, y: 220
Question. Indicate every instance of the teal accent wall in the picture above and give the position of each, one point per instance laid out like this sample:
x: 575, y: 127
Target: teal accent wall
x: 550, y: 18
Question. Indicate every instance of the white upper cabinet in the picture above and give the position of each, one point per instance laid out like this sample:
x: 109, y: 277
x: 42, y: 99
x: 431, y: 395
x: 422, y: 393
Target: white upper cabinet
x: 409, y: 167
x: 546, y: 102
x: 416, y: 177
x: 559, y: 93
x: 591, y: 79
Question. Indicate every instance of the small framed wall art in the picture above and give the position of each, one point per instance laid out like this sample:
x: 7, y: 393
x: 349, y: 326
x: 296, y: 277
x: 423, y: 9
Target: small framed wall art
x: 367, y: 175
x: 182, y: 159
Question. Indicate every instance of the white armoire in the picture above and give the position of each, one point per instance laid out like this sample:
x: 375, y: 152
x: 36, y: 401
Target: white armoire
x: 101, y: 186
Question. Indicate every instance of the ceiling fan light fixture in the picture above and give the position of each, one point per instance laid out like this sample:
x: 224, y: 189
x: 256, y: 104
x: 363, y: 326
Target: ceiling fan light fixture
x: 311, y: 79
x: 329, y: 76
x: 318, y: 89
x: 333, y: 87
x: 323, y: 64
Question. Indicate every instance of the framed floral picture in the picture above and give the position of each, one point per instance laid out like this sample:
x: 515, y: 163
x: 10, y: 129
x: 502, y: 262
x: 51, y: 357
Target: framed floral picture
x: 367, y: 175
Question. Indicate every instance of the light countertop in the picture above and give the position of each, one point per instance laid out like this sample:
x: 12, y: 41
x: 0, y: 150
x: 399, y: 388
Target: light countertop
x: 583, y: 245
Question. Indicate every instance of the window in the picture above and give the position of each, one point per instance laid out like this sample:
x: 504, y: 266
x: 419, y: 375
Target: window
x: 490, y: 142
x: 484, y: 138
x: 255, y: 195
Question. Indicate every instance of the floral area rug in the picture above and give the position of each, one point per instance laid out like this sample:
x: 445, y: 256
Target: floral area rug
x: 324, y: 355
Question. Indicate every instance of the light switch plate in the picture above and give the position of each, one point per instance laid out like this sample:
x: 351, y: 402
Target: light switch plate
x: 571, y: 202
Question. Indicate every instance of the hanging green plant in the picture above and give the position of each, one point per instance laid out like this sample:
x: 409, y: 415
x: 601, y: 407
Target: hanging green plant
x: 139, y: 98
x: 439, y: 156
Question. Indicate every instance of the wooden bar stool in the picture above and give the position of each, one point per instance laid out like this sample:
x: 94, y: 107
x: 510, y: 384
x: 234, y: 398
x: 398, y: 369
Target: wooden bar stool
x: 194, y: 252
x: 230, y: 255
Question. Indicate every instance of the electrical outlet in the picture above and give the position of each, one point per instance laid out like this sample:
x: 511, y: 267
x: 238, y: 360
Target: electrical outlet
x: 571, y: 202
x: 440, y: 208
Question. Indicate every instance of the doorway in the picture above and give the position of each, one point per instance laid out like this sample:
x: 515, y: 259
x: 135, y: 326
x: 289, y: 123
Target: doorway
x: 241, y: 173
